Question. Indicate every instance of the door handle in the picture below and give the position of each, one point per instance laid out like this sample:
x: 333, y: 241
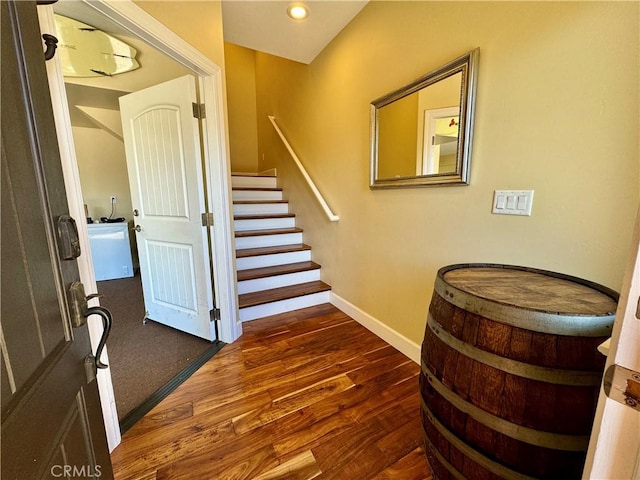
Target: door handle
x: 80, y: 311
x: 137, y: 228
x: 107, y: 320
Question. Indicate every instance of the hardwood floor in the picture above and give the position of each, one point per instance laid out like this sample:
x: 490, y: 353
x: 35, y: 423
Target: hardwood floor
x: 306, y: 394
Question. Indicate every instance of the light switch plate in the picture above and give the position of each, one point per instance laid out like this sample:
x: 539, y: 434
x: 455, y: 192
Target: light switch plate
x: 512, y: 202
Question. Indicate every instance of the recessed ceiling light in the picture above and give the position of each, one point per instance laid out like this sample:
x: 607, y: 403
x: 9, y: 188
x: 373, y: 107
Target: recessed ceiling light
x: 298, y: 11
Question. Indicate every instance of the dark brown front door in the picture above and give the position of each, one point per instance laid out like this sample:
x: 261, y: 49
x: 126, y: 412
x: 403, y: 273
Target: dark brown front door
x: 52, y: 423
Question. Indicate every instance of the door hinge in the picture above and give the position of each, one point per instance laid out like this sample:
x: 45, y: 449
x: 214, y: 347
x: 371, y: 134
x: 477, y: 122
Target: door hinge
x: 214, y: 314
x: 198, y: 110
x: 622, y: 385
x: 207, y: 219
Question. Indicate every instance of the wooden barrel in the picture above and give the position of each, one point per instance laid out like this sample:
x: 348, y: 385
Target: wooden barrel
x: 510, y: 371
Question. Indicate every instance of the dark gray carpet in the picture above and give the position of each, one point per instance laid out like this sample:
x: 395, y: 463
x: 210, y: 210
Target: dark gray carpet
x: 142, y: 357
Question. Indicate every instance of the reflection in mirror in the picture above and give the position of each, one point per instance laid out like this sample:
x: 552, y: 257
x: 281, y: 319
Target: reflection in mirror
x: 421, y: 133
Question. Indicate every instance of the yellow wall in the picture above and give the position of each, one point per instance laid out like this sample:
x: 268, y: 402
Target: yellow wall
x: 397, y: 138
x: 103, y: 172
x: 241, y: 94
x: 198, y: 23
x: 557, y: 112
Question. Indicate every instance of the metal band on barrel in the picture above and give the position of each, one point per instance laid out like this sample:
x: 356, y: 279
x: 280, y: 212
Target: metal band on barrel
x: 556, y: 376
x: 536, y: 321
x: 469, y: 452
x: 432, y: 450
x: 555, y: 441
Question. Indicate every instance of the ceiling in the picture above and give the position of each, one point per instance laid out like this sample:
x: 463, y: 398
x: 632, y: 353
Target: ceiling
x: 263, y: 25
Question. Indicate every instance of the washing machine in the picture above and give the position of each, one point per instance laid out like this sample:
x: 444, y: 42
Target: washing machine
x: 110, y: 250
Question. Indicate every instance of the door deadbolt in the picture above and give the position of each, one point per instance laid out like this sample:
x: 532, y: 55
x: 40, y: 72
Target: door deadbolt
x: 68, y: 240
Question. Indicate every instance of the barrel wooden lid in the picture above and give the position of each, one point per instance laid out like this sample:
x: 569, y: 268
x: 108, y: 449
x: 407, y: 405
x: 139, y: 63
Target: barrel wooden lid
x: 531, y: 289
x: 511, y: 294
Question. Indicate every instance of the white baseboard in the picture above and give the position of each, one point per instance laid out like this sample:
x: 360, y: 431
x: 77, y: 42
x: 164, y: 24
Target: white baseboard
x: 393, y: 338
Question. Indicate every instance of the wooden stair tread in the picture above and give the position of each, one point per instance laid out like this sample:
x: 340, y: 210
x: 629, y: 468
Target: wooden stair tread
x: 263, y: 216
x: 257, y: 202
x: 258, y: 251
x: 263, y: 272
x: 258, y: 189
x: 282, y: 293
x: 275, y: 231
x: 252, y: 176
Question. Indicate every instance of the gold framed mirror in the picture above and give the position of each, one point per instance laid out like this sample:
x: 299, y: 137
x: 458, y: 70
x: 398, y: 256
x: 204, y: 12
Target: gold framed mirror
x: 421, y: 134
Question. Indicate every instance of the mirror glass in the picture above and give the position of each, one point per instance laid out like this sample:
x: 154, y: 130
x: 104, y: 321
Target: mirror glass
x: 421, y: 133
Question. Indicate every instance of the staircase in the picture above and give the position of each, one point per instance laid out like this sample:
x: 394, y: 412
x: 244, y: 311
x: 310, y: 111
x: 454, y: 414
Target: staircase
x: 275, y: 270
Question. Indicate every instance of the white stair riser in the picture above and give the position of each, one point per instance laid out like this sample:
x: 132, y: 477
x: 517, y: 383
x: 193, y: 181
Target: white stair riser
x: 258, y: 284
x: 268, y: 240
x: 254, y: 182
x: 273, y: 308
x: 260, y: 208
x: 257, y: 195
x: 260, y: 261
x: 264, y: 224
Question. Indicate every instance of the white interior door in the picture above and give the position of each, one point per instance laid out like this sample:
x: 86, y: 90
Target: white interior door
x: 614, y: 450
x: 163, y: 152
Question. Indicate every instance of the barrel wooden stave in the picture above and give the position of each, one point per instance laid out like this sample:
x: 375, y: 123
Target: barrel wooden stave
x: 523, y: 457
x: 461, y: 462
x: 443, y: 456
x: 541, y: 404
x: 535, y: 348
x: 514, y: 398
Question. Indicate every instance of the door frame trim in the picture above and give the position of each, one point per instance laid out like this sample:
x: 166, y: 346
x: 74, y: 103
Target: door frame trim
x: 614, y: 447
x: 148, y: 28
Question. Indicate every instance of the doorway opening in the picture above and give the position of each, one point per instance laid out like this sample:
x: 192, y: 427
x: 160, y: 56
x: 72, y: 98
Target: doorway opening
x: 145, y: 356
x: 440, y: 141
x: 129, y: 21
